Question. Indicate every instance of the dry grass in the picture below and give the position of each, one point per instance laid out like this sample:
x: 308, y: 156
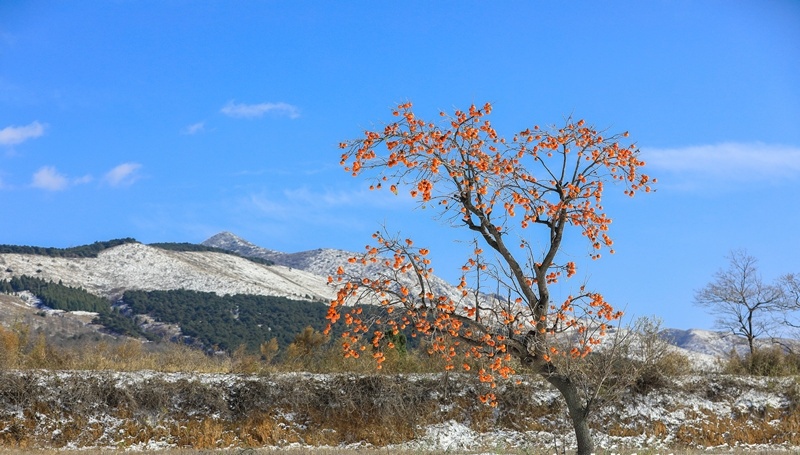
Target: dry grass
x: 381, y: 451
x: 268, y: 451
x: 263, y: 451
x: 42, y: 410
x: 24, y: 348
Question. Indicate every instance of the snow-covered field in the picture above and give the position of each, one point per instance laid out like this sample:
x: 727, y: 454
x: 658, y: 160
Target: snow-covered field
x: 149, y: 410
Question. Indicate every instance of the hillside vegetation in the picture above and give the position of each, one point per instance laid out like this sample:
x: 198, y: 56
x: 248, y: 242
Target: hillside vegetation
x: 60, y: 297
x: 40, y: 409
x: 83, y: 251
x: 196, y: 294
x: 156, y: 395
x: 205, y: 319
x: 229, y: 321
x: 208, y: 320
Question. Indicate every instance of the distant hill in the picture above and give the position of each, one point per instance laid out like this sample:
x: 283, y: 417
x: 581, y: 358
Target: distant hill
x: 322, y: 262
x: 84, y: 251
x: 718, y: 344
x: 134, y: 266
x: 216, y: 276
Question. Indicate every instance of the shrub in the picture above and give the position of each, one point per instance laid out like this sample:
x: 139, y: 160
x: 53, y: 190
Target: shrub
x: 773, y: 361
x: 655, y: 358
x: 10, y: 345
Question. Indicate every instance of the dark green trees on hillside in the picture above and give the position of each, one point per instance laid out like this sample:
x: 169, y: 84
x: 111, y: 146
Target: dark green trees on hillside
x: 213, y: 321
x: 227, y: 322
x: 60, y: 297
x: 57, y: 295
x: 84, y: 251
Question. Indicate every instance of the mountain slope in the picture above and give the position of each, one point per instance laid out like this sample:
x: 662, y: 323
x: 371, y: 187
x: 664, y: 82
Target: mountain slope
x: 141, y: 267
x: 59, y: 325
x: 721, y: 344
x: 322, y: 262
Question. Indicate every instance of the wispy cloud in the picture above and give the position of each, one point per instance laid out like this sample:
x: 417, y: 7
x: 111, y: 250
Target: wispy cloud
x: 300, y: 202
x: 194, y: 128
x: 241, y: 110
x: 81, y: 180
x: 123, y: 175
x: 695, y: 166
x: 48, y: 178
x: 320, y: 206
x: 12, y: 135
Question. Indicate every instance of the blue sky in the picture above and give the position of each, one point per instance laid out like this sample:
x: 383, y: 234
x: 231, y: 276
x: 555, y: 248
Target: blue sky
x: 174, y: 120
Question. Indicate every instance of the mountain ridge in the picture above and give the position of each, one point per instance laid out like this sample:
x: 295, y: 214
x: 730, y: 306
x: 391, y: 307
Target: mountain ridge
x: 141, y: 267
x: 320, y: 261
x: 323, y: 262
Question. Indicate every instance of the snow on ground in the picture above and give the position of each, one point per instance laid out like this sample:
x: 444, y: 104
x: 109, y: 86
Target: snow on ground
x: 686, y: 405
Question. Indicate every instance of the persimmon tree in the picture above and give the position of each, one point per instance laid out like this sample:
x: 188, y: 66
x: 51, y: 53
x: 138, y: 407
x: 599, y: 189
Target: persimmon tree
x: 518, y: 196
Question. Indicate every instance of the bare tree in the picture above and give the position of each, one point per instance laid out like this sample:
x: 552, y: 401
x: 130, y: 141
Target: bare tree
x: 790, y: 287
x: 742, y: 303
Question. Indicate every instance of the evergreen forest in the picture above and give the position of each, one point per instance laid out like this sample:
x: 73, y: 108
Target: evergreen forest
x: 83, y: 251
x: 227, y: 322
x: 61, y: 297
x: 214, y: 321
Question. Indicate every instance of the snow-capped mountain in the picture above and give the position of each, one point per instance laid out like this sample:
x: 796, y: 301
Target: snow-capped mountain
x: 720, y: 344
x: 142, y: 267
x: 323, y: 262
x: 716, y: 344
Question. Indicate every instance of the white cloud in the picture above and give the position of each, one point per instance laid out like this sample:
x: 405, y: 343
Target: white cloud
x: 48, y: 178
x: 304, y: 197
x: 731, y: 162
x: 12, y: 135
x: 123, y: 175
x: 81, y: 180
x: 241, y: 110
x: 322, y: 207
x: 194, y: 128
x: 300, y: 203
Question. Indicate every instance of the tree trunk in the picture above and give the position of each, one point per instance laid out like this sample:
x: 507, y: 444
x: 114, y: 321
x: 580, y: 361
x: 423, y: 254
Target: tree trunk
x: 578, y: 412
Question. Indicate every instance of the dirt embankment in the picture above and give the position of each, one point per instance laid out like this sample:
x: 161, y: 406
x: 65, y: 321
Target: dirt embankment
x: 41, y: 409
